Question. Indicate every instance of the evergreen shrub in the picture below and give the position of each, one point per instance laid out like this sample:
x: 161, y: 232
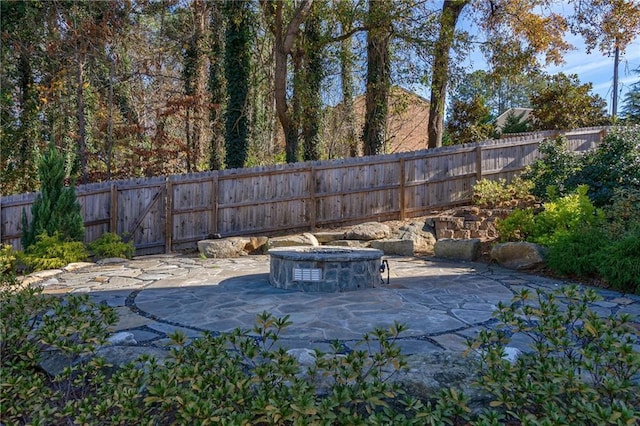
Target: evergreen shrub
x: 619, y: 262
x: 613, y: 165
x: 111, y: 245
x: 56, y: 208
x: 51, y: 252
x: 577, y: 253
x: 555, y: 166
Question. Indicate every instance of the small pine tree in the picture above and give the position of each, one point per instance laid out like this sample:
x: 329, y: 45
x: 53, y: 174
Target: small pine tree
x: 56, y: 208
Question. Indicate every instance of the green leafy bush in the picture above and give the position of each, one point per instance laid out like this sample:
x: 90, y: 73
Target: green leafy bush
x: 554, y: 167
x: 517, y: 226
x: 490, y: 193
x: 8, y: 257
x: 111, y: 245
x: 239, y: 378
x: 619, y: 262
x: 577, y: 252
x: 566, y: 214
x: 50, y: 252
x: 32, y: 325
x: 614, y: 165
x: 623, y: 215
x: 581, y: 369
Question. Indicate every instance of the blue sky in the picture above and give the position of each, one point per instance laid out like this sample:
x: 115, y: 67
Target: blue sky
x: 597, y: 68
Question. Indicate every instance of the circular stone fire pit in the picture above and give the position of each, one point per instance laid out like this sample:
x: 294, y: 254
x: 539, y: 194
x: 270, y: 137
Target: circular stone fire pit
x: 324, y: 269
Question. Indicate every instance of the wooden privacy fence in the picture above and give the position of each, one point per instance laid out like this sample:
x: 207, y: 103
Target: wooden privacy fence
x: 163, y: 214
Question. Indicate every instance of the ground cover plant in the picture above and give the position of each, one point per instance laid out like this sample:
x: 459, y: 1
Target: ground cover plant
x: 581, y: 369
x: 111, y: 245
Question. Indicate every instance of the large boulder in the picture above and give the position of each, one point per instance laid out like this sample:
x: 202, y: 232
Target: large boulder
x: 369, y: 231
x: 327, y: 237
x: 394, y: 246
x: 223, y: 248
x: 468, y: 249
x: 518, y: 255
x: 306, y: 239
x: 422, y: 234
x: 350, y: 243
x: 257, y: 245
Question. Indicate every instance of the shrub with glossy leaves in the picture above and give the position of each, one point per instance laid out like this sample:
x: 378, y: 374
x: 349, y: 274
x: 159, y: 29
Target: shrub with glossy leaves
x: 33, y: 324
x: 581, y: 368
x: 553, y: 168
x: 245, y: 378
x: 614, y: 165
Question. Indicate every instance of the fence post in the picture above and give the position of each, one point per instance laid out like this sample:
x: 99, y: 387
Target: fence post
x: 478, y: 163
x: 312, y: 198
x: 213, y: 224
x: 402, y: 189
x: 113, y: 214
x: 168, y: 224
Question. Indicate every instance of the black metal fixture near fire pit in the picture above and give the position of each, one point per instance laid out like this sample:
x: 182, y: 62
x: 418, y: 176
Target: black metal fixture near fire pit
x: 384, y: 266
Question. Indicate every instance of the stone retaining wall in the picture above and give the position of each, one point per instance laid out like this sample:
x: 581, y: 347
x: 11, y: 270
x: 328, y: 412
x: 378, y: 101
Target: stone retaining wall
x: 468, y: 222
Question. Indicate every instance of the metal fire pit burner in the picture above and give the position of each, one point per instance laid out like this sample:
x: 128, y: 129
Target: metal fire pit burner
x: 324, y: 269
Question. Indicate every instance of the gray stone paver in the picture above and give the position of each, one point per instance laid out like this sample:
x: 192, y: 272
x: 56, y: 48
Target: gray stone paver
x: 441, y: 302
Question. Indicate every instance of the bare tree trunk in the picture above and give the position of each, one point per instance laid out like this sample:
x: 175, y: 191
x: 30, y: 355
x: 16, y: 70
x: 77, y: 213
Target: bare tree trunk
x: 346, y: 74
x: 82, y: 138
x: 217, y: 87
x: 284, y: 39
x: 451, y: 10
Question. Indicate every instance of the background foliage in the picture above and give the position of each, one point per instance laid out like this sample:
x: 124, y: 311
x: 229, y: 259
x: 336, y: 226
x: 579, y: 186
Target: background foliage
x: 137, y: 88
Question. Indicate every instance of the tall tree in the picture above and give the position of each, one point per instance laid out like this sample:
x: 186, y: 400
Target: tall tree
x: 470, y: 121
x: 519, y: 34
x: 566, y: 104
x: 451, y: 10
x: 194, y: 73
x: 217, y: 86
x: 311, y: 98
x: 610, y: 26
x: 238, y: 37
x: 285, y: 34
x: 346, y: 79
x: 378, y: 76
x: 20, y: 128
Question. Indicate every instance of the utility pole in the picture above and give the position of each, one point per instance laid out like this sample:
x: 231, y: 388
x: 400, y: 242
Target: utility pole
x: 614, y: 108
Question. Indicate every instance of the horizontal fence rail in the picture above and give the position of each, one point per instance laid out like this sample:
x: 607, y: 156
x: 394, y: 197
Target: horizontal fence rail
x: 164, y: 214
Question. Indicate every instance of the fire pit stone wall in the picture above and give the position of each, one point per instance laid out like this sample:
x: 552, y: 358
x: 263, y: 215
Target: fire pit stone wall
x: 325, y: 268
